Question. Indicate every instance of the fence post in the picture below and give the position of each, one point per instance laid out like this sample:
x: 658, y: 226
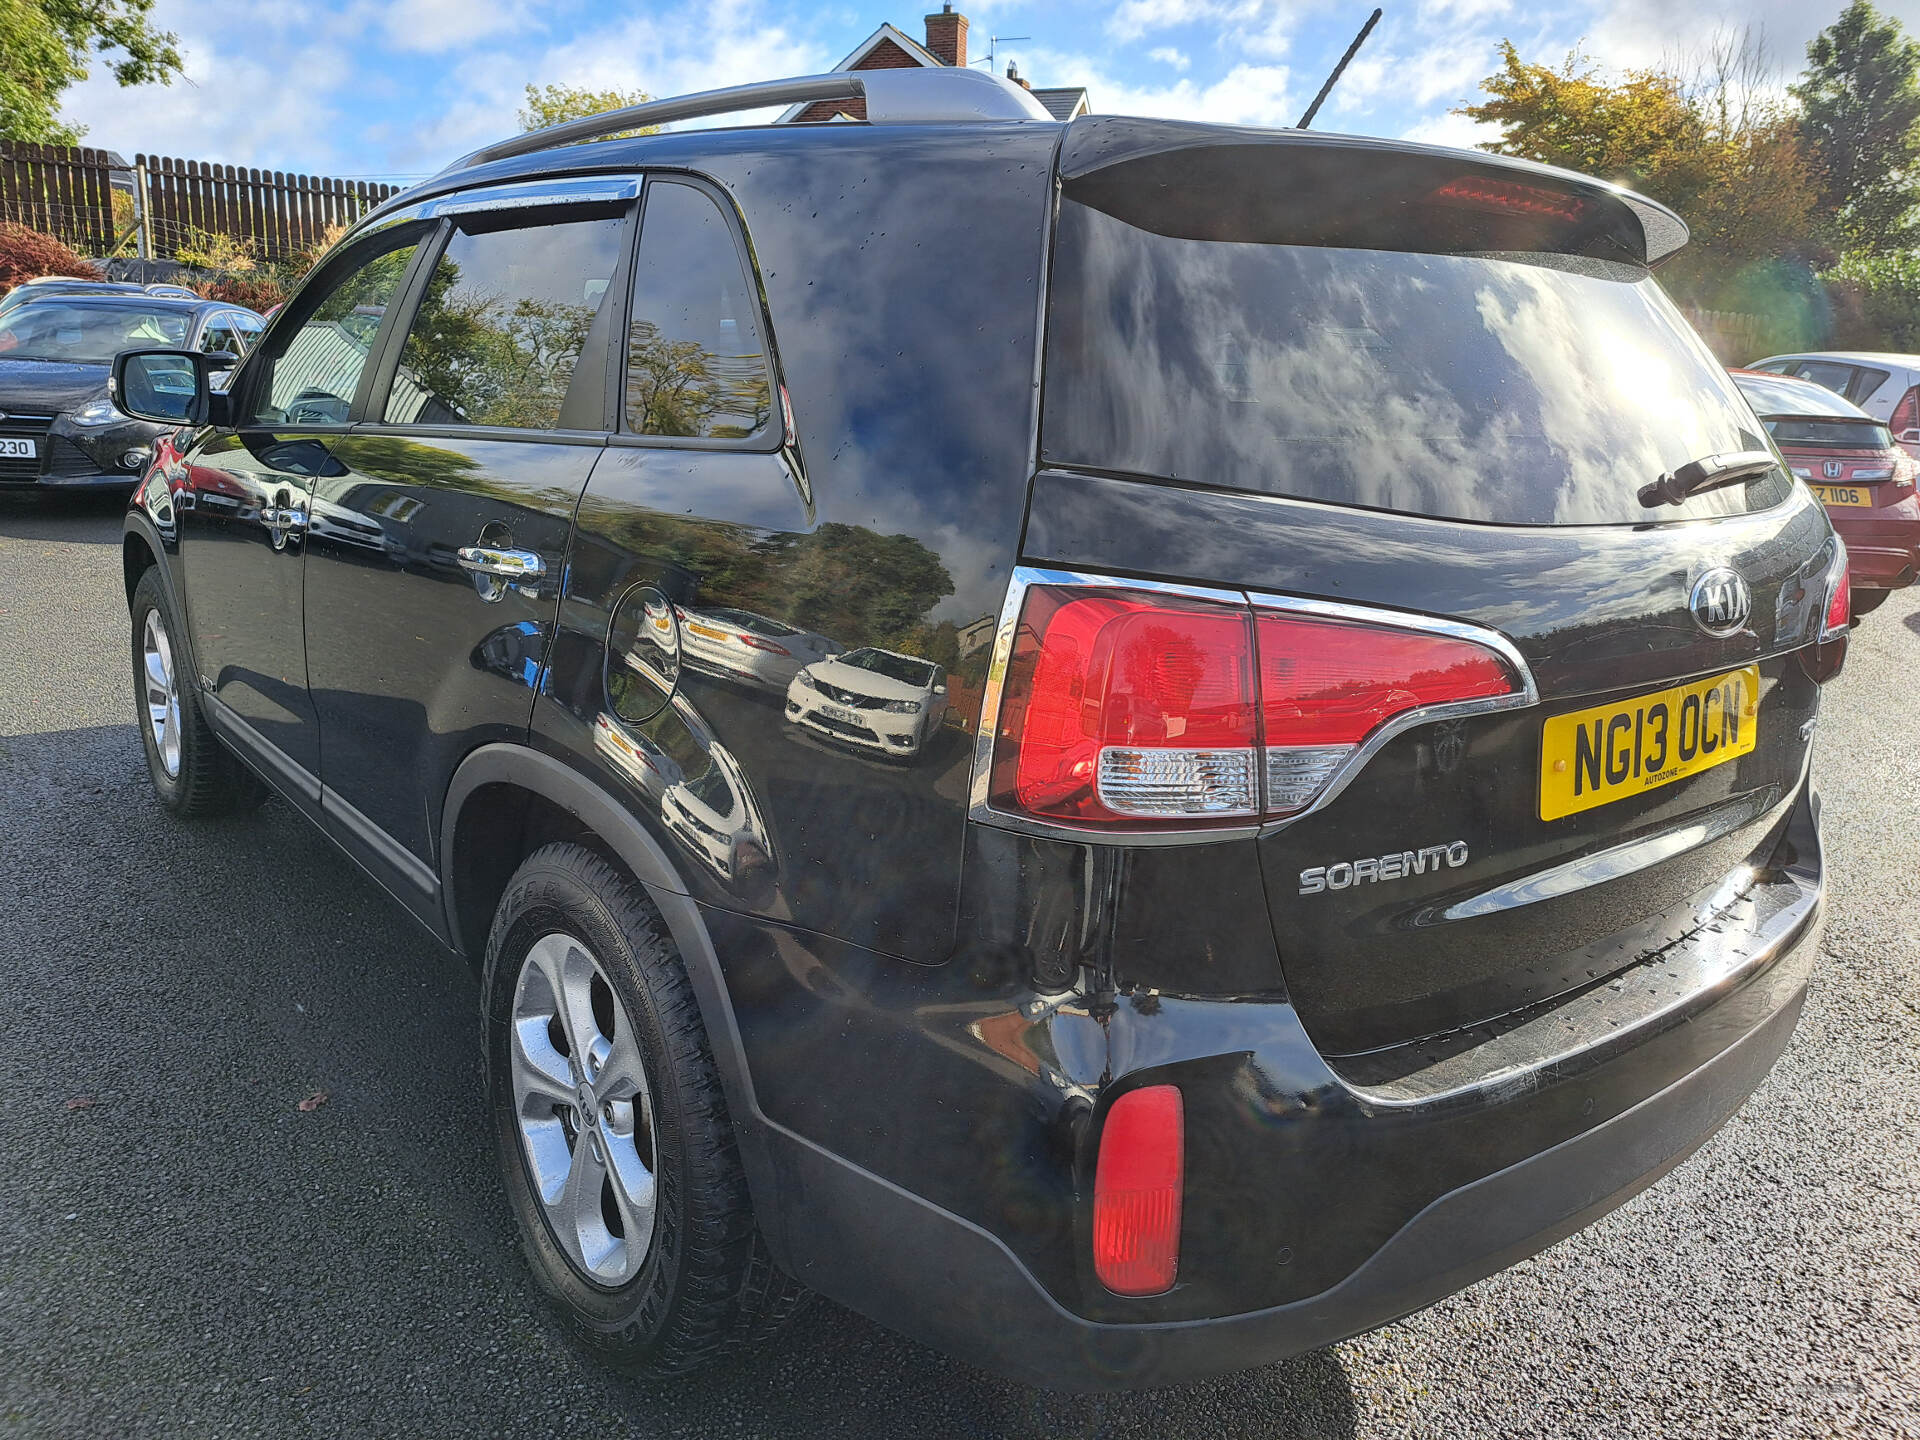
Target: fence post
x: 145, y: 205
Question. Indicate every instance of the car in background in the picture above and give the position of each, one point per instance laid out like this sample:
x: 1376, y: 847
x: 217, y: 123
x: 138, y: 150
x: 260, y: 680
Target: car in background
x: 877, y: 699
x: 59, y: 427
x: 740, y: 645
x: 42, y: 286
x: 1886, y: 386
x: 1865, y: 480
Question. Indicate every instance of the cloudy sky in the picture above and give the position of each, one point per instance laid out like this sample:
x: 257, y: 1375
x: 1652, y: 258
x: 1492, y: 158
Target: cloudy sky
x: 394, y: 90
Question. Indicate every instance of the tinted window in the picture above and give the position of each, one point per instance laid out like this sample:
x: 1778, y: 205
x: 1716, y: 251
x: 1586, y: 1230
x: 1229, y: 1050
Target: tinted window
x: 312, y: 372
x: 1505, y: 388
x: 1834, y: 376
x: 696, y: 365
x: 88, y: 334
x: 1865, y: 382
x: 502, y: 324
x: 1841, y: 434
x: 220, y: 335
x: 248, y: 328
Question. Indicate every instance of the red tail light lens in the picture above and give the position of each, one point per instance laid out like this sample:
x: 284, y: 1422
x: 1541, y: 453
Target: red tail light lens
x: 1123, y: 707
x: 1137, y: 1189
x: 1906, y: 415
x: 1839, y: 603
x: 1325, y: 685
x: 754, y: 642
x: 1825, y: 657
x: 1482, y: 192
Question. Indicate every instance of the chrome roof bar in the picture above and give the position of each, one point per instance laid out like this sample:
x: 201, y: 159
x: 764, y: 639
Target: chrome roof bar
x: 921, y: 96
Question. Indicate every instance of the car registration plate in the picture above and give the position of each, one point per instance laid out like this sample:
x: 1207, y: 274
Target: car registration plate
x: 1596, y: 756
x: 706, y: 632
x: 845, y: 717
x: 12, y: 448
x: 1843, y: 495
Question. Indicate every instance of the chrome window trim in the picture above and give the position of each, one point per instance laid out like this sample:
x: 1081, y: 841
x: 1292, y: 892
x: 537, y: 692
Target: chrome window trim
x: 1025, y: 577
x: 603, y: 190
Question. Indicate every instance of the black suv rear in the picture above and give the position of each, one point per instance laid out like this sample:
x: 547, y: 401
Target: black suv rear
x: 1132, y: 747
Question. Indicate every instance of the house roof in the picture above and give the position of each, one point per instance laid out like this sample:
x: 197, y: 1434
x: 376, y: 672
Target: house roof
x: 914, y: 50
x: 1065, y: 103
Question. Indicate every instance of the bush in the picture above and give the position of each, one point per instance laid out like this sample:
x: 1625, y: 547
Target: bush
x: 1876, y: 301
x: 256, y: 292
x: 26, y: 253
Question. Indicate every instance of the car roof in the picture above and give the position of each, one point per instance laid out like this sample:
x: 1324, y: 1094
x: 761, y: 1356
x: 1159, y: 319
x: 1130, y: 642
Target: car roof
x: 120, y: 299
x: 1848, y: 357
x: 1789, y: 396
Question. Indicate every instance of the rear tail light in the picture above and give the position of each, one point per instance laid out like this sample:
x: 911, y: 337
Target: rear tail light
x: 1906, y: 415
x: 1137, y: 1188
x: 754, y: 642
x: 1482, y: 192
x: 1829, y: 652
x: 1132, y: 709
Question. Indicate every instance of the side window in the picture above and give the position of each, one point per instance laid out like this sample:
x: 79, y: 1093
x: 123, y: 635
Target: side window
x: 1865, y: 382
x: 502, y: 323
x: 1834, y: 376
x: 312, y: 371
x: 696, y: 362
x: 247, y: 329
x: 219, y: 335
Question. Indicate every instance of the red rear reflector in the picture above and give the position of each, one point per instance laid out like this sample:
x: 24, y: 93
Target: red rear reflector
x: 1485, y: 193
x: 1839, y: 603
x: 1125, y: 706
x: 1136, y: 1192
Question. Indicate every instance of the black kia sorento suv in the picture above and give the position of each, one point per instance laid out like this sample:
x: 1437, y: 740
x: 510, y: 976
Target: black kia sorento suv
x: 1359, y: 652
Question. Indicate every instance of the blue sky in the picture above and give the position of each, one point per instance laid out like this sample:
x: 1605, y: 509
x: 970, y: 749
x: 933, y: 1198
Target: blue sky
x: 395, y: 90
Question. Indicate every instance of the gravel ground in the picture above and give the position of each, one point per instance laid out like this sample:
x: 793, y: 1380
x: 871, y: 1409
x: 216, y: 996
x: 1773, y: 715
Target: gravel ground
x: 193, y: 1254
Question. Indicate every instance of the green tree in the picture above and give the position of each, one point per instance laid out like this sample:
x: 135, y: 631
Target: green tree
x: 1710, y: 145
x: 1860, y: 123
x: 556, y: 104
x: 45, y: 46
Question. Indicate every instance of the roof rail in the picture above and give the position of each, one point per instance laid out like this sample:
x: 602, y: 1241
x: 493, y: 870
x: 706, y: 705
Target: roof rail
x: 921, y: 96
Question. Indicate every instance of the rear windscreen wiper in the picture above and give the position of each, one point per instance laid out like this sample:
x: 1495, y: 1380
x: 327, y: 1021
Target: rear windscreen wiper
x: 1709, y: 472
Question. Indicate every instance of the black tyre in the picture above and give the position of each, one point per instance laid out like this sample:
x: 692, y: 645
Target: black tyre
x: 1865, y: 602
x: 193, y: 773
x: 618, y: 1154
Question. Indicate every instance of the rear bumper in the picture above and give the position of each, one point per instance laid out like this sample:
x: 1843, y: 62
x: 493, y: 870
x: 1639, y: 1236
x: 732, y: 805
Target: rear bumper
x: 1883, y: 550
x: 1371, y: 1206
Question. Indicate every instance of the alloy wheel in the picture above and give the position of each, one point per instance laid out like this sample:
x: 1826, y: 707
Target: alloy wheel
x: 584, y: 1110
x: 162, y: 693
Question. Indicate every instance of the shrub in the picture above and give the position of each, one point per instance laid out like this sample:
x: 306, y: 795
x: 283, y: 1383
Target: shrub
x: 256, y: 292
x: 1876, y: 301
x: 25, y: 253
x: 215, y: 252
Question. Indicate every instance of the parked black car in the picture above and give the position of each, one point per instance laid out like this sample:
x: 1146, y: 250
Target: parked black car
x: 42, y: 286
x: 1369, y: 833
x: 58, y: 424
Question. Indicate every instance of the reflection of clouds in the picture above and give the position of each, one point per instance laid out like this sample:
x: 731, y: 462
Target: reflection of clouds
x: 1478, y: 387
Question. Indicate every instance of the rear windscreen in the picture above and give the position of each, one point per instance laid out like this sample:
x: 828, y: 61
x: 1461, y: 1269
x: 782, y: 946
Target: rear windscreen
x: 1524, y: 389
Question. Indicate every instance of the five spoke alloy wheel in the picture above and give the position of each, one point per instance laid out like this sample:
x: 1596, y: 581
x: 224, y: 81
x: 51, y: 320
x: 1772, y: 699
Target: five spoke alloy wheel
x: 583, y: 1110
x: 162, y: 693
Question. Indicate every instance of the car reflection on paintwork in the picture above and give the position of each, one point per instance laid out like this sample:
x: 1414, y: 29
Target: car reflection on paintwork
x: 876, y: 699
x: 740, y: 645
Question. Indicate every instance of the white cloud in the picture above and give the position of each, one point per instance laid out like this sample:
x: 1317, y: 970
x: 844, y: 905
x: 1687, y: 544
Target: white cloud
x: 432, y: 26
x: 1167, y: 55
x: 1448, y: 128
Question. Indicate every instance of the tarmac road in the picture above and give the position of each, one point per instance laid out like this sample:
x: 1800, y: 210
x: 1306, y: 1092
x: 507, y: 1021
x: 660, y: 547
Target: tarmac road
x: 191, y: 1254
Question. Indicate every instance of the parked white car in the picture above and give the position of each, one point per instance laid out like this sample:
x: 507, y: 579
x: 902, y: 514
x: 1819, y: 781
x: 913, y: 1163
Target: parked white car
x: 1887, y: 387
x: 876, y: 699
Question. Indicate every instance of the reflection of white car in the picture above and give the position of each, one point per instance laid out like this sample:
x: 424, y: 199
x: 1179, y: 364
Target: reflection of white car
x: 741, y: 645
x: 873, y: 698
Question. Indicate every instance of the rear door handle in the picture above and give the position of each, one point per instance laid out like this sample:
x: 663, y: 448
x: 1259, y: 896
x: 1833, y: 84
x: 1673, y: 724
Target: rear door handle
x: 517, y: 566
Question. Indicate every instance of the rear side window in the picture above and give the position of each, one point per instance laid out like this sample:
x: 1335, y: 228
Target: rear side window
x: 1864, y: 383
x: 1507, y: 388
x: 696, y: 363
x: 501, y: 326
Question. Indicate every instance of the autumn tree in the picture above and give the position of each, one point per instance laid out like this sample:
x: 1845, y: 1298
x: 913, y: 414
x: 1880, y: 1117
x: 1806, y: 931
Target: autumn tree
x: 549, y: 105
x: 1708, y: 143
x: 1860, y: 124
x: 46, y: 46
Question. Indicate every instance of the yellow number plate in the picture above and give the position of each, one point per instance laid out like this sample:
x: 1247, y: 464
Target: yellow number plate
x: 706, y: 631
x: 1593, y: 757
x: 1843, y: 495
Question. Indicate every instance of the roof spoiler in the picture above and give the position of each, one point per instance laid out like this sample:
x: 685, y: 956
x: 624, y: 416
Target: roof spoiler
x: 1204, y: 182
x: 921, y: 96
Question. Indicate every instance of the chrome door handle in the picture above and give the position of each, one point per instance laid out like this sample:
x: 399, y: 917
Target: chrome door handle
x: 518, y: 566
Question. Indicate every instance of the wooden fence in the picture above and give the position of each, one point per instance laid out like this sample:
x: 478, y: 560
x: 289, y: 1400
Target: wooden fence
x: 279, y: 214
x: 69, y: 193
x: 59, y: 191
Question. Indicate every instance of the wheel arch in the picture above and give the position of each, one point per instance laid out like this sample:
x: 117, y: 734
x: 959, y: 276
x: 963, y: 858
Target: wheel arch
x: 506, y: 800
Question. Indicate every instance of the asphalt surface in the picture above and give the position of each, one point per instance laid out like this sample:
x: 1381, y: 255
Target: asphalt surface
x: 192, y: 1254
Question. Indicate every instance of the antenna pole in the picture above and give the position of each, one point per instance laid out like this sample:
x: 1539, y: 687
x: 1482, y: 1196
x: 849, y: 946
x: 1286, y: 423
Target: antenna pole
x: 1340, y: 69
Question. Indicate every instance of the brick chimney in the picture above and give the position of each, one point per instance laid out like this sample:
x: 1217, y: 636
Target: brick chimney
x: 947, y: 36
